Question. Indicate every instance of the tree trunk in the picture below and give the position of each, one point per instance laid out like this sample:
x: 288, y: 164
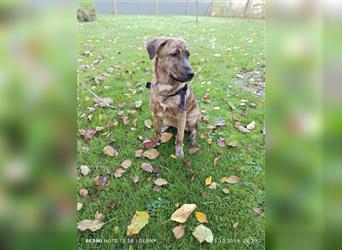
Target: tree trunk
x: 248, y: 3
x: 197, y: 10
x: 156, y: 7
x: 115, y: 9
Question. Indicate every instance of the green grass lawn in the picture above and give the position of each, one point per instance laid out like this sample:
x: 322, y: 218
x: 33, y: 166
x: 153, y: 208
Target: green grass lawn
x: 220, y: 49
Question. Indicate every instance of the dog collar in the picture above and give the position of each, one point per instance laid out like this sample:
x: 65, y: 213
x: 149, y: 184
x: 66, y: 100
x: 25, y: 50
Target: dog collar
x: 181, y: 92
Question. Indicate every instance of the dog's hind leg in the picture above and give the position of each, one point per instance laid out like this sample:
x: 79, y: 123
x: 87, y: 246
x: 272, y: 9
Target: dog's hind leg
x: 180, y: 134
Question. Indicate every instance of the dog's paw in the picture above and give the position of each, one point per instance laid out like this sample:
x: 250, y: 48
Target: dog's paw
x: 179, y: 153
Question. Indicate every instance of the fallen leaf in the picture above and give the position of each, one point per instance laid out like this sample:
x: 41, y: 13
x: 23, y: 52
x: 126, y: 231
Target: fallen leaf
x: 119, y: 172
x: 223, y: 179
x: 151, y: 154
x: 216, y: 159
x: 231, y: 105
x: 186, y: 163
x: 156, y: 188
x: 109, y: 150
x: 147, y: 167
x: 203, y: 194
x: 126, y: 164
x: 205, y: 118
x: 150, y: 142
x: 101, y: 181
x: 251, y: 125
x: 257, y: 211
x: 148, y: 123
x: 201, y: 217
x: 84, y: 170
x: 213, y: 185
x: 113, y: 204
x: 233, y: 144
x: 99, y: 216
x: 137, y: 104
x: 178, y: 231
x: 139, y: 221
x: 182, y: 214
x: 136, y: 179
x: 220, y: 122
x: 84, y: 192
x: 160, y: 182
x: 211, y: 127
x: 209, y: 141
x: 233, y: 179
x: 104, y: 102
x: 92, y: 225
x: 202, y: 233
x: 241, y: 128
x: 139, y: 153
x: 193, y: 150
x: 236, y: 224
x: 221, y: 142
x: 87, y: 134
x: 225, y: 190
x: 79, y: 206
x: 208, y: 180
x: 165, y: 137
x: 124, y: 119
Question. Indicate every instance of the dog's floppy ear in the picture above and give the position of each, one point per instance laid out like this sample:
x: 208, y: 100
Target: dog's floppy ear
x: 154, y: 45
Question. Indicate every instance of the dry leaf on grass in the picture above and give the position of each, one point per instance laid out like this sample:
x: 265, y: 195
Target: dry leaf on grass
x: 139, y: 221
x: 147, y: 167
x: 251, y: 125
x: 178, y: 231
x: 211, y: 127
x: 113, y: 204
x: 109, y: 150
x: 257, y: 211
x: 149, y: 142
x: 148, y: 123
x: 241, y: 128
x: 202, y: 233
x: 165, y: 137
x: 193, y: 150
x: 79, y: 206
x: 119, y: 172
x: 151, y: 154
x: 84, y: 170
x: 139, y: 153
x: 220, y: 123
x: 201, y: 217
x: 213, y: 185
x: 104, y: 102
x: 221, y: 142
x: 84, y: 192
x: 182, y: 214
x: 137, y: 104
x: 160, y: 182
x: 233, y: 179
x: 99, y: 216
x: 236, y: 224
x: 225, y: 190
x: 208, y: 180
x: 87, y: 134
x: 92, y: 225
x: 135, y: 179
x: 101, y: 181
x: 217, y: 158
x: 126, y: 164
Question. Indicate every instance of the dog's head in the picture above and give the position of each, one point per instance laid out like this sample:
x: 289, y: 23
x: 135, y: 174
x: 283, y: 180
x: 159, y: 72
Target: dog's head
x: 173, y: 57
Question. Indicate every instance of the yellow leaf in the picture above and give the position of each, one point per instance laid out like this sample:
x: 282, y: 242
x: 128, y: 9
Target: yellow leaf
x: 139, y: 221
x: 202, y: 233
x: 201, y: 217
x: 182, y: 214
x: 223, y: 179
x: 208, y: 180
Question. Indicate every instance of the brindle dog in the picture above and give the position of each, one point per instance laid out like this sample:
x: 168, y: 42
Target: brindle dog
x: 172, y: 100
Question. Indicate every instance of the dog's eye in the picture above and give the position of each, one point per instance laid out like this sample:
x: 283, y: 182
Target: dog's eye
x: 174, y: 54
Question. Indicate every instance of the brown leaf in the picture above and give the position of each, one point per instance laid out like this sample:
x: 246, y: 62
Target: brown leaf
x: 211, y: 127
x: 135, y: 179
x: 233, y: 179
x: 156, y: 188
x: 225, y: 190
x: 147, y: 167
x: 124, y: 119
x: 119, y: 172
x: 220, y: 123
x: 221, y: 142
x: 165, y: 137
x: 148, y: 123
x: 101, y: 181
x: 182, y: 214
x: 109, y: 150
x: 233, y: 144
x: 99, y: 216
x: 186, y: 163
x: 139, y: 153
x: 87, y: 134
x: 241, y: 128
x: 151, y: 154
x: 160, y: 182
x: 104, y: 102
x: 84, y: 192
x: 217, y: 158
x: 150, y: 142
x: 92, y: 225
x: 126, y: 164
x: 113, y: 204
x: 193, y: 150
x: 139, y: 221
x: 178, y: 231
x: 213, y: 185
x: 205, y: 118
x: 201, y: 217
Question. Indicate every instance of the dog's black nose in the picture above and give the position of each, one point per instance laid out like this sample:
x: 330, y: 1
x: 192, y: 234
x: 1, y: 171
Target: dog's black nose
x: 190, y: 74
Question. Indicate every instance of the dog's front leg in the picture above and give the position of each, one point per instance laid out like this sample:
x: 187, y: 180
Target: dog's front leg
x: 180, y: 134
x: 157, y: 119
